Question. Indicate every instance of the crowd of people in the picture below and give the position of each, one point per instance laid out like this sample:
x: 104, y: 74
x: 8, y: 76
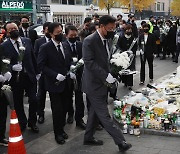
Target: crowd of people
x: 41, y: 65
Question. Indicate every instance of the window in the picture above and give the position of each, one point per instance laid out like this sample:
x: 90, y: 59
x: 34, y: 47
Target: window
x: 64, y: 1
x: 54, y: 1
x: 71, y: 2
x: 79, y: 2
x: 162, y: 6
x: 158, y: 6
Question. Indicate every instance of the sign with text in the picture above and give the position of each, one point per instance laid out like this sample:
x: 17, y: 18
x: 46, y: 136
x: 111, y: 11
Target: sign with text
x: 16, y: 5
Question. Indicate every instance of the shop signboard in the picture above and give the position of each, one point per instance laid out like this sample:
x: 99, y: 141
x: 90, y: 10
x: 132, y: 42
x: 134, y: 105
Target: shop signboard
x: 16, y: 5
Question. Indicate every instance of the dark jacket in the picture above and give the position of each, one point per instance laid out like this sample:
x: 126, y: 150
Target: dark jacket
x: 29, y: 61
x: 37, y: 45
x: 96, y: 66
x: 150, y: 46
x: 51, y: 63
x: 32, y: 35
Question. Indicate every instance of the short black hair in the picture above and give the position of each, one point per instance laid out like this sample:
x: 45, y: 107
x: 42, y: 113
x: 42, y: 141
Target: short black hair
x: 106, y: 19
x: 68, y: 24
x: 87, y: 19
x: 119, y: 15
x: 146, y: 25
x: 25, y: 17
x: 52, y: 26
x: 143, y: 22
x: 70, y: 27
x: 46, y: 24
x: 5, y: 25
x: 96, y: 15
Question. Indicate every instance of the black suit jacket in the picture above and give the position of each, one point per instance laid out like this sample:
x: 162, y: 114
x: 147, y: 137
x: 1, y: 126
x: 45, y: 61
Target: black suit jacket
x: 37, y: 45
x: 50, y: 63
x: 29, y: 61
x: 149, y: 46
x: 79, y: 56
x: 32, y: 35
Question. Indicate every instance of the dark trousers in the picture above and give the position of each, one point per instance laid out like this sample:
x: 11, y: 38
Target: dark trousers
x: 99, y: 112
x: 18, y: 93
x: 149, y: 59
x: 59, y: 106
x: 177, y: 52
x: 79, y: 104
x: 3, y: 115
x: 41, y: 96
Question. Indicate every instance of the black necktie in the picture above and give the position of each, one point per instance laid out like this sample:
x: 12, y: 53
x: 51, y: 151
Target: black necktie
x: 26, y: 33
x: 105, y: 41
x: 73, y: 50
x: 17, y: 43
x: 60, y: 51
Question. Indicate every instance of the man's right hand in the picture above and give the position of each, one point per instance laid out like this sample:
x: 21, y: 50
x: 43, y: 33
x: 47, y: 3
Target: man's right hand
x: 110, y: 79
x: 17, y: 67
x: 2, y: 79
x: 60, y: 77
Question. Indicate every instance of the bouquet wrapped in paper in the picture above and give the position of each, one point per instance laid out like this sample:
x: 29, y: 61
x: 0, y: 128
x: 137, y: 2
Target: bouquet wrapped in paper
x: 5, y: 65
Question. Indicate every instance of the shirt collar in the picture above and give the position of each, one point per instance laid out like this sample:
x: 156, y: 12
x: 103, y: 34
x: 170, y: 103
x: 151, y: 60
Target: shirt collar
x: 102, y: 38
x: 25, y: 29
x: 47, y: 39
x: 55, y: 43
x: 72, y: 43
x: 13, y: 41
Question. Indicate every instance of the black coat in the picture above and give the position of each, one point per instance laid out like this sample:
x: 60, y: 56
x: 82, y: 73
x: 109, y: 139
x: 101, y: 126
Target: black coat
x: 50, y: 63
x: 123, y: 44
x: 32, y: 35
x: 150, y: 46
x: 29, y: 61
x: 38, y: 44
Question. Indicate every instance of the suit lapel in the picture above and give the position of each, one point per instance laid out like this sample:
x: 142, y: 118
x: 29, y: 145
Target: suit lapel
x: 12, y: 48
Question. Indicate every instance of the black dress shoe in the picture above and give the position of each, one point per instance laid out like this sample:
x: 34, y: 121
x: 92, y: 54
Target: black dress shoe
x: 124, y: 146
x: 99, y: 127
x: 41, y: 119
x: 70, y: 119
x: 93, y: 142
x: 64, y: 135
x: 33, y: 128
x: 59, y: 139
x: 81, y: 125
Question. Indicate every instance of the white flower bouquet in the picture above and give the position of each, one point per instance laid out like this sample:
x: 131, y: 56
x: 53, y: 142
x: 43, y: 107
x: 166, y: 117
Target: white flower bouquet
x: 74, y: 68
x: 20, y: 58
x: 5, y: 65
x: 120, y: 61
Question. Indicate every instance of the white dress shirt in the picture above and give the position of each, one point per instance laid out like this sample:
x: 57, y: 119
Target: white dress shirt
x: 61, y: 47
x: 107, y: 48
x: 25, y: 32
x: 15, y: 45
x: 72, y: 44
x: 145, y: 38
x: 47, y: 39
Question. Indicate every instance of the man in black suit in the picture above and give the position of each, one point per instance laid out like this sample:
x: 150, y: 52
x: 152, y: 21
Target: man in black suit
x: 96, y: 56
x: 24, y: 71
x: 75, y: 48
x: 54, y: 62
x: 147, y: 44
x: 24, y: 31
x: 41, y: 89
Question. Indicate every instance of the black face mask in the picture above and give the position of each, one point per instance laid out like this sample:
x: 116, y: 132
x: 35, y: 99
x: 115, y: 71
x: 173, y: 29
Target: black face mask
x: 146, y: 30
x: 25, y: 25
x: 110, y: 35
x: 128, y: 33
x: 59, y: 37
x: 14, y: 34
x: 48, y: 35
x: 73, y: 40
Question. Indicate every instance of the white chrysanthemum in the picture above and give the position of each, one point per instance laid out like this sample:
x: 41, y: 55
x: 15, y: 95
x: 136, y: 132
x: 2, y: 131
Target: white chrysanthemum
x: 6, y: 61
x: 116, y: 55
x: 75, y: 59
x: 72, y: 67
x: 81, y: 61
x: 124, y: 54
x: 22, y: 48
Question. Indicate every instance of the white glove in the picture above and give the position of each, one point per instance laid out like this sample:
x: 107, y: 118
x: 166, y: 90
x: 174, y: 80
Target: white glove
x: 110, y: 78
x: 2, y: 79
x: 7, y: 76
x: 72, y: 76
x: 38, y: 76
x: 17, y: 67
x: 60, y: 77
x: 141, y: 52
